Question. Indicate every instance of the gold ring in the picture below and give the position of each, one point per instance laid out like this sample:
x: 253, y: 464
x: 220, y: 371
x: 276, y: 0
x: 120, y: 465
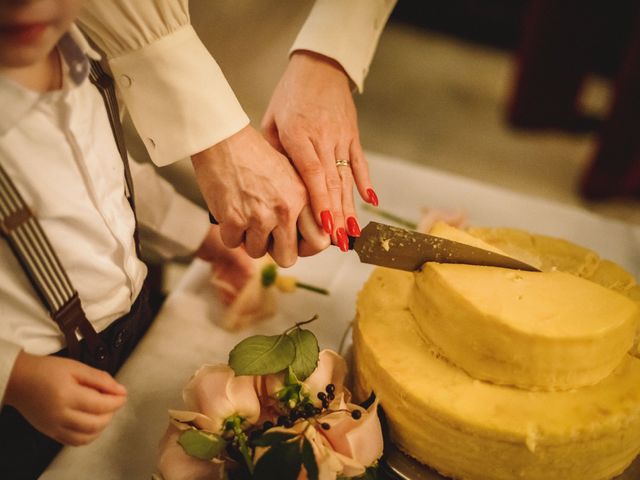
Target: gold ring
x: 343, y: 163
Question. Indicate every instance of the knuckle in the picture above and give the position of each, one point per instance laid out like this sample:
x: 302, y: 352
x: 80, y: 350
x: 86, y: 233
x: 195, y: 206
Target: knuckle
x: 334, y: 183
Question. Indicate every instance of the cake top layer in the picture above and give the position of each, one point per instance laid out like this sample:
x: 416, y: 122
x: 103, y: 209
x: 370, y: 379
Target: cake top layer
x: 550, y: 304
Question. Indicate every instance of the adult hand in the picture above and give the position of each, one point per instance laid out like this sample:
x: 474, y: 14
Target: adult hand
x: 312, y: 119
x: 64, y: 399
x: 256, y: 196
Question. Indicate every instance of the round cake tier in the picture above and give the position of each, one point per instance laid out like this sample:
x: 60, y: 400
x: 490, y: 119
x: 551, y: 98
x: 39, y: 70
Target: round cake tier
x: 474, y: 430
x: 534, y: 330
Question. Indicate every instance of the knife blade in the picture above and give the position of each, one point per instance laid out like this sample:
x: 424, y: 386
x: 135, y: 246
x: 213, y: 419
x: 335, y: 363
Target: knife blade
x: 394, y: 247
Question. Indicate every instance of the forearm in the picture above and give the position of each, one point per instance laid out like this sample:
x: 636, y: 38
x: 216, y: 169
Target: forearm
x: 347, y: 32
x: 9, y: 352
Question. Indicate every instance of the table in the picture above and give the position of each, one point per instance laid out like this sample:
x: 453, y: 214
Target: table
x: 184, y: 335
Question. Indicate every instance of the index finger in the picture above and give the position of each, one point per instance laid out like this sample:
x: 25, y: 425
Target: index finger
x: 89, y: 400
x: 310, y: 168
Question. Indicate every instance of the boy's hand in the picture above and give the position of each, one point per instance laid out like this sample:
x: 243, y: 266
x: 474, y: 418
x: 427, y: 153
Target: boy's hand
x: 64, y: 399
x: 231, y: 265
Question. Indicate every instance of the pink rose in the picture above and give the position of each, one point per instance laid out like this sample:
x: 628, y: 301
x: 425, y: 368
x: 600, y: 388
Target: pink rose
x: 175, y: 464
x: 331, y: 369
x: 359, y: 440
x: 217, y: 393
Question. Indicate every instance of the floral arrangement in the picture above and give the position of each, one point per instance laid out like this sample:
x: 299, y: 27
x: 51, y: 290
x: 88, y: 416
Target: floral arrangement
x: 256, y: 300
x: 278, y: 410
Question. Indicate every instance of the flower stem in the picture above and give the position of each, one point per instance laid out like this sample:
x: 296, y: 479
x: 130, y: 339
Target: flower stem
x: 391, y: 216
x: 243, y: 444
x: 312, y: 288
x: 299, y: 324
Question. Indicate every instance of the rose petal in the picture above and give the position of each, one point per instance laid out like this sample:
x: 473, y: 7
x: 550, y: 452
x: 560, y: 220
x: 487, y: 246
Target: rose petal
x: 180, y: 418
x: 175, y: 464
x: 360, y: 440
x: 215, y: 391
x: 331, y: 369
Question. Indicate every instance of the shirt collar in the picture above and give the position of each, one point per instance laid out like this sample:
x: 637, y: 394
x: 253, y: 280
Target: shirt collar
x: 17, y: 101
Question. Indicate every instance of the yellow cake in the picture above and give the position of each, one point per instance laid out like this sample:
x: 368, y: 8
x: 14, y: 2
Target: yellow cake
x: 444, y: 415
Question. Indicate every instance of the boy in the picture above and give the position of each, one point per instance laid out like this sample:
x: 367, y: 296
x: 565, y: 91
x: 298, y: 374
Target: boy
x: 58, y: 152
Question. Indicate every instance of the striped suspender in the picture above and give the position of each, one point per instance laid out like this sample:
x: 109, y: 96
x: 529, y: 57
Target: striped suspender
x: 104, y: 84
x: 41, y: 264
x: 36, y: 256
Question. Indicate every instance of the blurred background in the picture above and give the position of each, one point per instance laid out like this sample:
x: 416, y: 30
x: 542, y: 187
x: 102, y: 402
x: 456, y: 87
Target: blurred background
x: 537, y: 96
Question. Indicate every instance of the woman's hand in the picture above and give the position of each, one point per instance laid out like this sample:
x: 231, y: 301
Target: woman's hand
x: 312, y: 119
x: 64, y: 399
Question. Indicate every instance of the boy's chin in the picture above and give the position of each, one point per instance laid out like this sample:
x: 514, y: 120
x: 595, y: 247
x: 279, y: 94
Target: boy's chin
x: 22, y: 57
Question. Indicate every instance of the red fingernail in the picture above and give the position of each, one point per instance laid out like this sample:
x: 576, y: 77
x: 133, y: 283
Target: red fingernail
x: 373, y: 198
x: 327, y: 221
x: 352, y: 227
x: 343, y: 241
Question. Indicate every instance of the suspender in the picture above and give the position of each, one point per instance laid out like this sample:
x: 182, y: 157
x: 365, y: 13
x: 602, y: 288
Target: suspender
x: 104, y: 83
x: 33, y: 250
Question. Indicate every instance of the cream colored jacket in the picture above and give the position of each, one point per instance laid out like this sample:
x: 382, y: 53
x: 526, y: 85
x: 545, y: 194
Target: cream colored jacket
x: 164, y: 72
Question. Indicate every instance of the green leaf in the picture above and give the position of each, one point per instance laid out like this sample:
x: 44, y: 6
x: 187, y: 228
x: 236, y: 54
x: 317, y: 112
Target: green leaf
x: 306, y: 354
x: 268, y: 275
x: 261, y: 355
x: 309, y: 460
x: 269, y: 439
x: 200, y: 444
x: 282, y: 461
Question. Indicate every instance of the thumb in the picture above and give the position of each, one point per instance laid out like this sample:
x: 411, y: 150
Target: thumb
x: 270, y: 133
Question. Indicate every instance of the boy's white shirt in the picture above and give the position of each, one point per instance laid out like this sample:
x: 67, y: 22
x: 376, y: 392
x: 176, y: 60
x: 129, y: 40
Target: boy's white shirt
x: 154, y: 53
x: 59, y: 150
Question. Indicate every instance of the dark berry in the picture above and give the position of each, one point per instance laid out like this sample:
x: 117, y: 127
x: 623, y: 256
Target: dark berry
x: 325, y: 403
x: 356, y: 414
x: 331, y: 396
x: 281, y: 420
x: 331, y: 388
x: 316, y: 411
x: 308, y: 408
x: 288, y: 423
x: 322, y: 395
x: 325, y: 426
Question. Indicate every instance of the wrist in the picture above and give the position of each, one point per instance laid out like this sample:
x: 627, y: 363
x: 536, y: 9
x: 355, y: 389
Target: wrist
x: 310, y: 59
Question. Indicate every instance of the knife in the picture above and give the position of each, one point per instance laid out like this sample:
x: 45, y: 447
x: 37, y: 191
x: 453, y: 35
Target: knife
x: 395, y: 247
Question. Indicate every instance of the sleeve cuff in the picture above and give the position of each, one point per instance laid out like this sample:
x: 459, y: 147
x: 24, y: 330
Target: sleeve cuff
x: 177, y: 96
x: 8, y: 353
x: 347, y: 32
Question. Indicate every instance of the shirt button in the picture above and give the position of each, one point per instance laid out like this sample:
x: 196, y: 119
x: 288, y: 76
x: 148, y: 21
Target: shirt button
x: 125, y: 81
x: 119, y: 339
x: 101, y: 354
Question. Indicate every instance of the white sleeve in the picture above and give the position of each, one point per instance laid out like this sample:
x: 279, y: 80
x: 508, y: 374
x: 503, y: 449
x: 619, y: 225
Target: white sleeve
x: 346, y: 31
x: 170, y: 225
x: 8, y: 353
x: 177, y: 96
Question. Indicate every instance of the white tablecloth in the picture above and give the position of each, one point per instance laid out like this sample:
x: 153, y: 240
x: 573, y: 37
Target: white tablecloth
x: 184, y: 335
